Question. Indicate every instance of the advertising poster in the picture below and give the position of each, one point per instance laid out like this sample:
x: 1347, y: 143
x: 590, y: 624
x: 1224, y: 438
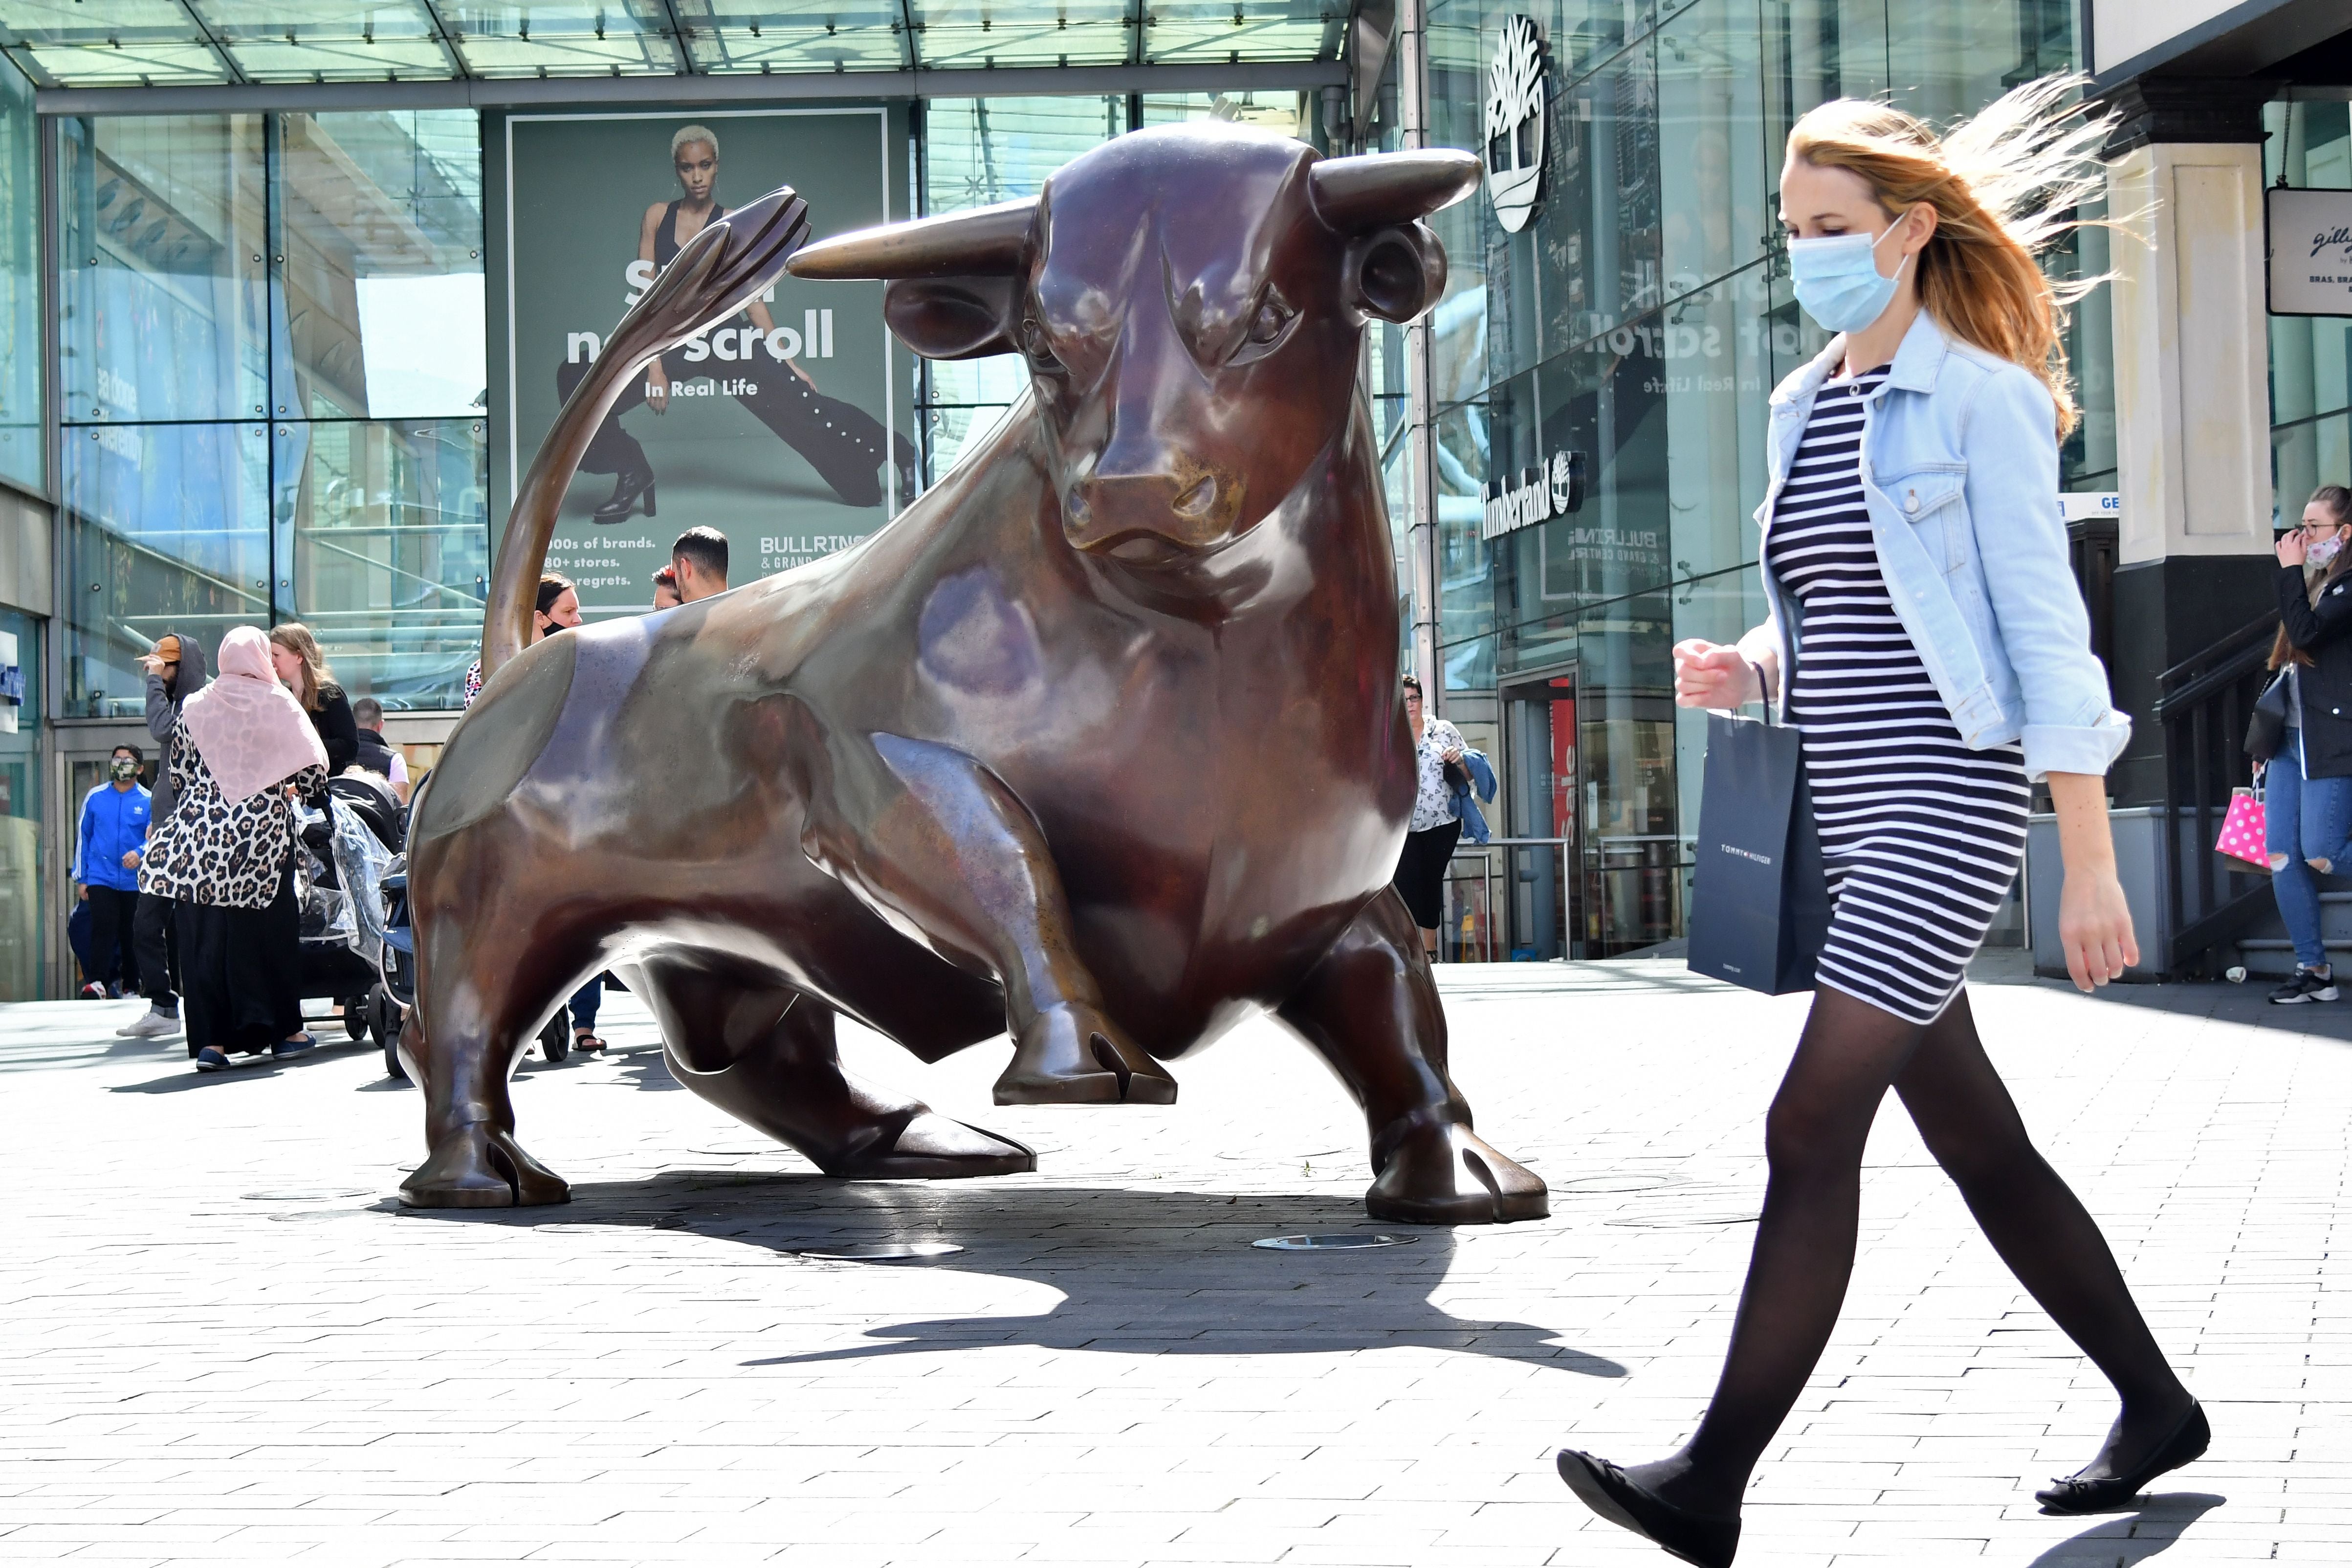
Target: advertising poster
x: 773, y: 427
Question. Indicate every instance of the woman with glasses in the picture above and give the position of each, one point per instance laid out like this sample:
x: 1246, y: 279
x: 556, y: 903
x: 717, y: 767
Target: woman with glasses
x: 2309, y: 800
x: 1430, y: 835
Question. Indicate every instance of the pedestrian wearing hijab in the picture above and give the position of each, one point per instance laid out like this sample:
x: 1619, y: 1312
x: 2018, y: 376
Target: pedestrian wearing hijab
x: 176, y: 671
x: 228, y: 853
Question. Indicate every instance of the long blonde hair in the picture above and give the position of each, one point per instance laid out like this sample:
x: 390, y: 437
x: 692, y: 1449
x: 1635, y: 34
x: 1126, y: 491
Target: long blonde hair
x: 2002, y: 184
x: 295, y: 637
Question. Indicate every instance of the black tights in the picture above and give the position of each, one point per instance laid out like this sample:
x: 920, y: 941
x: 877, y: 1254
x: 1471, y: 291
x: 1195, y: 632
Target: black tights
x: 1850, y: 1052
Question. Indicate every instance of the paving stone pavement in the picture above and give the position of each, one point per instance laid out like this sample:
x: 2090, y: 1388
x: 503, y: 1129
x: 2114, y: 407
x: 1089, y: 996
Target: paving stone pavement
x: 227, y: 1343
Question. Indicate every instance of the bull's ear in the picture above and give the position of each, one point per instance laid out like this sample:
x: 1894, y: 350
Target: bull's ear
x: 952, y: 318
x: 1396, y: 273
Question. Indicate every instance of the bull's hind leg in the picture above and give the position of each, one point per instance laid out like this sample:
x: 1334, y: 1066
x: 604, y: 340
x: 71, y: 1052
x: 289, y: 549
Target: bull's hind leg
x: 936, y: 842
x: 1371, y: 1008
x: 765, y: 1055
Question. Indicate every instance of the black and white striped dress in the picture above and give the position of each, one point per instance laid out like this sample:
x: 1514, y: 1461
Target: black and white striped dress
x: 1921, y: 835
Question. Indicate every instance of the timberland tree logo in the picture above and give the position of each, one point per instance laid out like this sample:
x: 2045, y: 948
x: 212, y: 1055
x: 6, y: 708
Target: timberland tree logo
x: 1514, y: 150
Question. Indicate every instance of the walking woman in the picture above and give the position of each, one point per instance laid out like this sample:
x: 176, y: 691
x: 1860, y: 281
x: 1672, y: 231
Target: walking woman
x: 2308, y: 803
x: 1931, y: 647
x: 226, y: 853
x: 1431, y: 834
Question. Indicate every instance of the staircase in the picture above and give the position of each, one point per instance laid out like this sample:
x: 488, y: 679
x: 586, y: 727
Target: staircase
x: 2265, y: 951
x: 2214, y: 903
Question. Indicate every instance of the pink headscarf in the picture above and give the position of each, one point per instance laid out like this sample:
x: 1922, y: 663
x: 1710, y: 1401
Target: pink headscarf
x: 250, y: 729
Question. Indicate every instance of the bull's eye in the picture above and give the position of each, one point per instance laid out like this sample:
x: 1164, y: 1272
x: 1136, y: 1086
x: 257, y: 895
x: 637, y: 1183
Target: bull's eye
x: 1271, y: 318
x: 1268, y: 324
x: 1039, y: 350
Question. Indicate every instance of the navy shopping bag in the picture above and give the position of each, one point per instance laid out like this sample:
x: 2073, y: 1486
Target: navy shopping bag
x: 1759, y: 901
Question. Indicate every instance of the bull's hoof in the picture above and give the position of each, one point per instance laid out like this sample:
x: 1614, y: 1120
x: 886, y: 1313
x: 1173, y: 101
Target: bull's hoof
x: 1440, y: 1172
x: 1074, y: 1056
x: 933, y: 1148
x: 481, y: 1167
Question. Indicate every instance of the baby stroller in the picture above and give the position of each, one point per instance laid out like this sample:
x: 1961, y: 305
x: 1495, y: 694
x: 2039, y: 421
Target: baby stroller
x: 396, y: 963
x: 348, y: 847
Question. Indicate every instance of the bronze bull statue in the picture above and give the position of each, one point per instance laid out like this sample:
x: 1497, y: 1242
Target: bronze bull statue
x: 1099, y: 744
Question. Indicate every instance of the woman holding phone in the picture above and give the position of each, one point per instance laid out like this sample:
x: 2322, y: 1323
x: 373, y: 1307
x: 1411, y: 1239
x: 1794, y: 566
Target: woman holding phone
x: 1928, y: 642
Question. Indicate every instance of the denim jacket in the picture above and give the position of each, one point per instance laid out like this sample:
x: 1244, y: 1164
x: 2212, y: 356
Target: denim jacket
x: 1465, y: 802
x: 1959, y: 471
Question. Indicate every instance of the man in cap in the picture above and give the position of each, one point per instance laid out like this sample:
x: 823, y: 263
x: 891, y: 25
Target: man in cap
x: 176, y: 671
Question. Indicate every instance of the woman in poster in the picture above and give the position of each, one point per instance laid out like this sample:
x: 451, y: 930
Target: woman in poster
x: 845, y: 444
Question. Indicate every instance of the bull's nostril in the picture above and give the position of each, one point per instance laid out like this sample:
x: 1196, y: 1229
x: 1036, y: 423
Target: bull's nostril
x: 1197, y: 499
x: 1076, y: 508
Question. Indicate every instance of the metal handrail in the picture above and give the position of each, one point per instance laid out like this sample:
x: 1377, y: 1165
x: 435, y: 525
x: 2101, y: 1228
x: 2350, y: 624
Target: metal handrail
x: 2204, y: 716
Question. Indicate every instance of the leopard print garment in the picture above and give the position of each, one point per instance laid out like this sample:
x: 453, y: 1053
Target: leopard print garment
x: 210, y: 852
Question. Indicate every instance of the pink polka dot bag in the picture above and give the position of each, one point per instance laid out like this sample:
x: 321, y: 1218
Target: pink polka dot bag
x: 2243, y: 830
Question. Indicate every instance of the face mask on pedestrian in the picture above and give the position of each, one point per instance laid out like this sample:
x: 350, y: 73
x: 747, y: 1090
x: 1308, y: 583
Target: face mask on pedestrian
x: 2320, y: 555
x: 124, y: 768
x: 1837, y: 279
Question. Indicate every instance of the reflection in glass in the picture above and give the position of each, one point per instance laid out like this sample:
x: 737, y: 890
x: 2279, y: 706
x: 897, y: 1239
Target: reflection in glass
x: 379, y: 307
x: 1632, y: 839
x: 1946, y: 61
x: 20, y: 809
x: 979, y: 151
x: 1716, y: 385
x: 1712, y: 162
x: 1600, y: 253
x: 20, y: 284
x: 2310, y: 146
x: 389, y: 530
x: 1465, y: 591
x: 161, y: 230
x: 1815, y: 50
x: 167, y: 529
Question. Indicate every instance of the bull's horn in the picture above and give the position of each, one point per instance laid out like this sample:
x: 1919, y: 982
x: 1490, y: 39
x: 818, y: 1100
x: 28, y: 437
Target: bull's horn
x: 987, y: 242
x: 1353, y: 194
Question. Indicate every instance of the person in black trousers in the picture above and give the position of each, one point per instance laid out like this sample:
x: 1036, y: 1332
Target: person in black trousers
x: 175, y: 671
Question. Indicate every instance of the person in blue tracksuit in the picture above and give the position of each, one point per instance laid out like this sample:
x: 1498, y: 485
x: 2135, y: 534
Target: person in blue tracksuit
x: 111, y: 843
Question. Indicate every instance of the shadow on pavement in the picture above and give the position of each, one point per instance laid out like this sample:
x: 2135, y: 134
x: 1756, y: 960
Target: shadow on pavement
x: 241, y: 1068
x: 2159, y: 1522
x: 1140, y: 1272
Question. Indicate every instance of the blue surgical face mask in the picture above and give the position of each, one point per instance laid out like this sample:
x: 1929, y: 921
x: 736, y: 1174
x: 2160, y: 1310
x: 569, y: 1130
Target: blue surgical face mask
x: 1837, y: 279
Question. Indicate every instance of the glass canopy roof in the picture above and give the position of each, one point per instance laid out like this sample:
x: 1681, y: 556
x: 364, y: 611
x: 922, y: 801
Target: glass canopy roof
x: 170, y: 43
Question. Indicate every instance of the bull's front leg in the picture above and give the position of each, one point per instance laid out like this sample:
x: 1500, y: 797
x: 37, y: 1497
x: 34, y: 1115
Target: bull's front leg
x: 941, y: 847
x: 1370, y: 1007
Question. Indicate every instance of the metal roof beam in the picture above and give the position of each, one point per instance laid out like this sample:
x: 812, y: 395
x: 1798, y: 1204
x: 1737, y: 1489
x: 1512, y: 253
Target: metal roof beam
x: 211, y: 42
x: 1026, y: 82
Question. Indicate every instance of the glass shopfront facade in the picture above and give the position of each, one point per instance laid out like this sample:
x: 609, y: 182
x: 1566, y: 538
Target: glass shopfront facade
x: 1635, y: 325
x: 270, y: 393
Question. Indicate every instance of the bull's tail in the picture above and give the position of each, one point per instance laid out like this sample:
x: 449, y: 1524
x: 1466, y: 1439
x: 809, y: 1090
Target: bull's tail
x: 716, y: 273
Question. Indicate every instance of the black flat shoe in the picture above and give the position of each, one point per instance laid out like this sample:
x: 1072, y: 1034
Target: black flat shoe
x: 2077, y: 1494
x: 1609, y: 1492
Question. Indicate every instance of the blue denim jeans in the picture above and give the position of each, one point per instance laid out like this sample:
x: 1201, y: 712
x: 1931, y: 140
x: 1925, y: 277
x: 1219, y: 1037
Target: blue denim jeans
x: 2307, y: 821
x: 591, y: 996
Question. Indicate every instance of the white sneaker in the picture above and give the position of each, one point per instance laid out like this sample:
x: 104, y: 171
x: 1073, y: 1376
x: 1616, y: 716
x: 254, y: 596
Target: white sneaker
x: 155, y: 1024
